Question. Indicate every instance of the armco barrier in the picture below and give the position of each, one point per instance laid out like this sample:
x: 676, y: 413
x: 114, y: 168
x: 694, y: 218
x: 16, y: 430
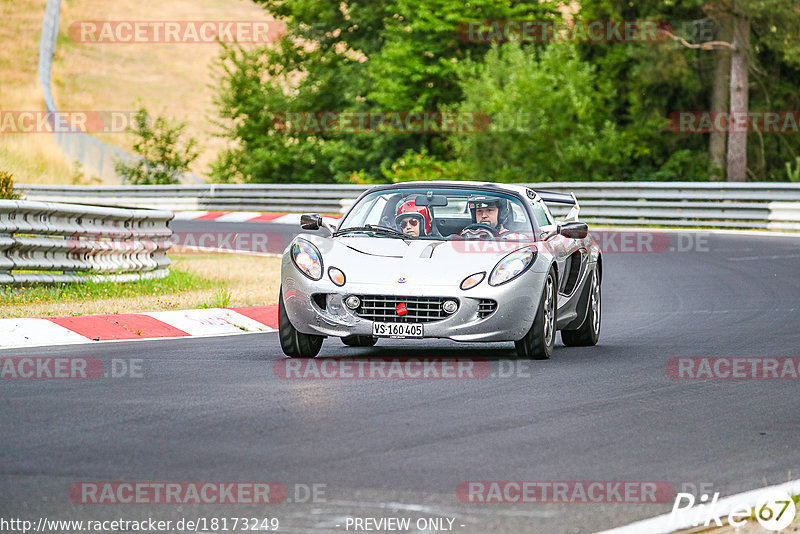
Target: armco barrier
x: 773, y: 205
x: 49, y: 242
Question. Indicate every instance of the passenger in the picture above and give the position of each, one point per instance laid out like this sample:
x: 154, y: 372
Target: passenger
x: 414, y: 220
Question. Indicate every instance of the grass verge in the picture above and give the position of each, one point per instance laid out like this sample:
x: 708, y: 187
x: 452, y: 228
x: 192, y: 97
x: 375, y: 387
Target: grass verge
x: 195, y: 281
x: 174, y: 79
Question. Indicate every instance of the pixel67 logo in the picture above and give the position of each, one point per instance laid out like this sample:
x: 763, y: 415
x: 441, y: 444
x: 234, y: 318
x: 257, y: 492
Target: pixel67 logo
x: 774, y: 510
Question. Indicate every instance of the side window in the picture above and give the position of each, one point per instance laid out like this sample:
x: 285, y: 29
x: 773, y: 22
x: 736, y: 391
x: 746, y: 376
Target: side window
x: 543, y: 218
x: 518, y: 213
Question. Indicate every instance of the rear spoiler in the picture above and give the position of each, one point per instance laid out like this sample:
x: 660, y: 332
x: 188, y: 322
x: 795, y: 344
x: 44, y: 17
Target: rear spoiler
x: 562, y: 198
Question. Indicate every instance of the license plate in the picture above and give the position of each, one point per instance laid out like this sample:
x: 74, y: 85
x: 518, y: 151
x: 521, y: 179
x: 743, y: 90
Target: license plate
x: 397, y: 330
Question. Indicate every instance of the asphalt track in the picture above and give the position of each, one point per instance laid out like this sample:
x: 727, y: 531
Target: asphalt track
x: 211, y: 409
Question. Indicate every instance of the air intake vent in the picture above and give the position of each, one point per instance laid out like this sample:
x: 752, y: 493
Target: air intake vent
x: 486, y: 307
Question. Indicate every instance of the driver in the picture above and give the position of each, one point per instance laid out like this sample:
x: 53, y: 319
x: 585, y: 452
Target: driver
x: 414, y: 220
x: 487, y: 210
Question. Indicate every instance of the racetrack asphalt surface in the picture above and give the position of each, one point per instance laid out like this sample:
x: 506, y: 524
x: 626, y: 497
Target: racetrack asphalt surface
x: 212, y: 409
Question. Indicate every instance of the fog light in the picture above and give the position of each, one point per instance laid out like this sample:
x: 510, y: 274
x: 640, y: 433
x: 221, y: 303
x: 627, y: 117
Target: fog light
x: 450, y: 306
x: 352, y: 302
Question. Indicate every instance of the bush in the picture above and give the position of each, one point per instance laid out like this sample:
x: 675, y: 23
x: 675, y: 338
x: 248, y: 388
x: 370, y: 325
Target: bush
x: 412, y: 166
x: 551, y: 118
x: 163, y: 160
x: 7, y: 186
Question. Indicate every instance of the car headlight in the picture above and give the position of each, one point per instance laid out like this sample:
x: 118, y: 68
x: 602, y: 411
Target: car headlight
x: 472, y: 281
x: 512, y: 266
x: 307, y: 259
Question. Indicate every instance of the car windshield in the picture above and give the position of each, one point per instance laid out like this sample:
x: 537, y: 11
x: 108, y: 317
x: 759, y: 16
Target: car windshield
x: 438, y: 213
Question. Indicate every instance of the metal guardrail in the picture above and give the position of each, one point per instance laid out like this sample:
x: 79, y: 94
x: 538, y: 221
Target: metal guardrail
x: 773, y: 205
x: 49, y: 242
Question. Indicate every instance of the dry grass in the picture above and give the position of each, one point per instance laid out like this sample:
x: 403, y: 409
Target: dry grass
x: 170, y: 79
x: 32, y: 158
x: 235, y: 281
x: 251, y: 280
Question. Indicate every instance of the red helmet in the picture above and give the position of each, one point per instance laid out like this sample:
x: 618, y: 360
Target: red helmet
x: 422, y: 213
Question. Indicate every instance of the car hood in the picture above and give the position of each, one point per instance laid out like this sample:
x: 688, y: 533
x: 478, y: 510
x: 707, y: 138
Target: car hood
x: 371, y: 260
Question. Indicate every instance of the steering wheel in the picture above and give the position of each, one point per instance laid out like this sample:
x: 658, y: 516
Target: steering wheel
x: 479, y: 229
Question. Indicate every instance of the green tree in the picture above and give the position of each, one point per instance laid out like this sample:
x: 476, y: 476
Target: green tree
x: 655, y: 79
x: 163, y: 158
x: 382, y: 55
x: 550, y: 118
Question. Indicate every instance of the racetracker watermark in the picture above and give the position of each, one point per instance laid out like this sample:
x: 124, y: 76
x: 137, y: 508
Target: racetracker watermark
x: 177, y: 493
x: 175, y: 31
x: 564, y: 491
x: 353, y: 122
x: 541, y: 31
x: 68, y: 368
x: 270, y: 243
x: 50, y: 367
x: 246, y: 242
x: 59, y: 122
x: 609, y: 242
x: 782, y: 122
x: 383, y: 368
x: 754, y: 368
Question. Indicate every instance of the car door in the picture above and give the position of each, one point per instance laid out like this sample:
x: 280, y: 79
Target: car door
x: 569, y: 254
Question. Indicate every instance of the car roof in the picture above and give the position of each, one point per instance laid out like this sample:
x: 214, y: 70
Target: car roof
x: 517, y: 189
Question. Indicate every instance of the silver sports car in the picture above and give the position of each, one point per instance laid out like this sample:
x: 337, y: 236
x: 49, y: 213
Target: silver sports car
x: 466, y: 261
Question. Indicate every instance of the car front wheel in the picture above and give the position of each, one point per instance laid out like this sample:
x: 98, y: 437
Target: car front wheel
x: 295, y: 344
x: 538, y: 342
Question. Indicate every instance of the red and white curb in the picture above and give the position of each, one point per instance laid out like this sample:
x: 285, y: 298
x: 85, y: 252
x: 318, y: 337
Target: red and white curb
x: 16, y: 333
x: 243, y: 216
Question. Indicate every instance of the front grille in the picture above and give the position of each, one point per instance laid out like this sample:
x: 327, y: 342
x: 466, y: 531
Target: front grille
x: 486, y: 307
x: 383, y: 309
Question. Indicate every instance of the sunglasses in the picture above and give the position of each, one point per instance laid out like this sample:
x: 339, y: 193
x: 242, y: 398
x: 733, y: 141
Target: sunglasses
x: 409, y: 221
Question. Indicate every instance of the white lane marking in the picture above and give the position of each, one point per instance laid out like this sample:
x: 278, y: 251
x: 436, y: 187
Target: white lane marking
x: 239, y: 216
x: 36, y: 332
x: 775, y: 257
x: 192, y: 248
x: 431, y: 510
x: 289, y: 218
x: 189, y: 215
x: 667, y: 523
x: 87, y: 341
x: 210, y: 322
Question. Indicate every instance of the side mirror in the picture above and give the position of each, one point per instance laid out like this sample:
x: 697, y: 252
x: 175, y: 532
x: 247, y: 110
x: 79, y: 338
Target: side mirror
x: 310, y: 221
x: 574, y: 230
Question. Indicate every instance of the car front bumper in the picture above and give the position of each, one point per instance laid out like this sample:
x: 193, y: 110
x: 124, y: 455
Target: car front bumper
x: 517, y: 303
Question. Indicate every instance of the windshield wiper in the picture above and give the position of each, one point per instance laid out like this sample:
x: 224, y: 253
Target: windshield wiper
x: 375, y: 228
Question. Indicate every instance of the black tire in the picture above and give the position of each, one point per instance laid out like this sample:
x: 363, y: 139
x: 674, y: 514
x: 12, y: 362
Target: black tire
x: 359, y: 341
x: 295, y: 344
x: 539, y: 341
x: 587, y: 334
